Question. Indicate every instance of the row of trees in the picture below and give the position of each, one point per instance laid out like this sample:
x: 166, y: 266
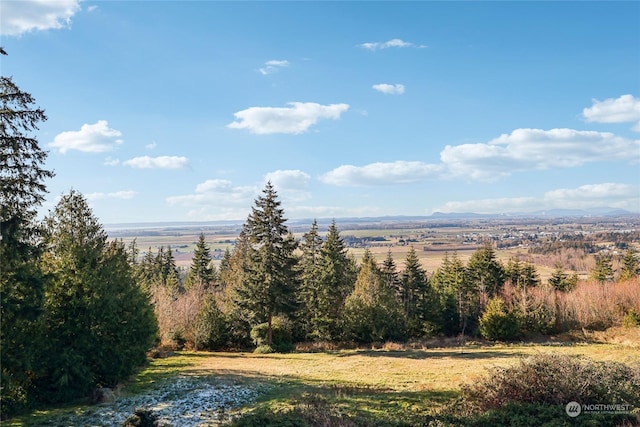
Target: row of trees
x: 272, y: 290
x: 72, y: 314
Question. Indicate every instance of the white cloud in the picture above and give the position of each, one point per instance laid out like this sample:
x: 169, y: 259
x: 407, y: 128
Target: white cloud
x: 395, y: 89
x: 620, y: 110
x: 291, y: 185
x: 220, y: 199
x: 587, y: 194
x: 151, y: 146
x: 95, y: 138
x: 531, y: 149
x: 389, y: 44
x: 19, y: 17
x: 124, y: 195
x: 111, y: 162
x: 613, y: 195
x: 288, y: 179
x: 399, y: 172
x: 295, y: 119
x: 160, y: 162
x: 217, y: 199
x: 272, y: 66
x: 521, y: 150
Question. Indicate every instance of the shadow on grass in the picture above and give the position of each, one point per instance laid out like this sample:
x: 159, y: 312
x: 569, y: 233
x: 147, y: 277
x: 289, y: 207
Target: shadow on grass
x: 428, y: 354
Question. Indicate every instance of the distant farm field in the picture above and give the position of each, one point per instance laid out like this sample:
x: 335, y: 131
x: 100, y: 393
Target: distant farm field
x: 394, y: 384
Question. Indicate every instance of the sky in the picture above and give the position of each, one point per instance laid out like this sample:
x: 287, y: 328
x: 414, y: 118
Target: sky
x: 182, y: 111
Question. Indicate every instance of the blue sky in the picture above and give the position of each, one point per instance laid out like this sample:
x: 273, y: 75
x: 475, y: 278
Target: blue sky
x: 181, y: 111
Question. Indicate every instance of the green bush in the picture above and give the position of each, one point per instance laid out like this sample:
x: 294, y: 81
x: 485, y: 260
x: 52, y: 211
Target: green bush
x: 498, y: 323
x: 264, y: 349
x: 210, y: 329
x: 281, y: 334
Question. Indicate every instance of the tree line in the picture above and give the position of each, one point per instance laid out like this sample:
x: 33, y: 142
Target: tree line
x: 273, y: 290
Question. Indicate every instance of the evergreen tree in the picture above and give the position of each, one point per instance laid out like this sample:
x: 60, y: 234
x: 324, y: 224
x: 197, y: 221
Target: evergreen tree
x: 603, y: 271
x: 486, y: 274
x: 630, y: 265
x: 202, y: 272
x: 419, y: 300
x: 233, y: 273
x: 561, y: 281
x: 22, y: 190
x: 168, y: 276
x: 372, y: 312
x: 336, y: 282
x: 97, y: 322
x: 310, y: 271
x: 458, y: 297
x: 522, y: 276
x: 271, y: 282
x: 390, y: 274
x: 147, y: 271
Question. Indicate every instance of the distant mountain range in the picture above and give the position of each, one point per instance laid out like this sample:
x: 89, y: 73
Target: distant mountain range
x: 552, y: 213
x: 394, y: 219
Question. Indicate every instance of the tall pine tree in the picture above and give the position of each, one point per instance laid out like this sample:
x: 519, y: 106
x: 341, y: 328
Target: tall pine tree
x: 271, y: 282
x: 419, y: 300
x: 202, y: 272
x: 310, y: 275
x: 22, y: 190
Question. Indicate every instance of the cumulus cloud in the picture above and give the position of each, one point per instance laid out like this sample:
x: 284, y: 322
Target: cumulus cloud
x: 111, y: 162
x: 124, y: 195
x: 160, y: 162
x: 586, y: 195
x: 151, y: 146
x: 521, y: 150
x: 217, y: 199
x: 272, y: 66
x: 292, y: 185
x: 531, y: 149
x: 19, y: 17
x: 389, y: 44
x: 619, y: 110
x: 95, y: 138
x: 295, y: 119
x: 614, y: 195
x: 390, y: 89
x: 288, y: 179
x: 398, y: 172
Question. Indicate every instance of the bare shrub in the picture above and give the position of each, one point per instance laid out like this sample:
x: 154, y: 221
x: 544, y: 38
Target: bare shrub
x: 177, y: 314
x: 597, y: 306
x: 589, y: 306
x: 555, y: 379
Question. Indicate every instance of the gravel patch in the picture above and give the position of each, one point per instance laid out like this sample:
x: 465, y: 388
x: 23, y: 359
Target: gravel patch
x: 184, y: 402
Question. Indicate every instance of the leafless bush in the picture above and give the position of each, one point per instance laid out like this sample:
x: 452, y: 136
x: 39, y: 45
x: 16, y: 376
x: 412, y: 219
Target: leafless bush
x: 590, y: 305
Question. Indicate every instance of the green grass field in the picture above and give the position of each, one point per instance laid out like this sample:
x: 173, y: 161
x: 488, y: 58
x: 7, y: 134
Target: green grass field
x: 391, y: 384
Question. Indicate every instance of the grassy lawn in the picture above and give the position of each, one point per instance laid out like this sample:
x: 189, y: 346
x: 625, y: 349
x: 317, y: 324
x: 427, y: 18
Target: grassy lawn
x: 393, y: 384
